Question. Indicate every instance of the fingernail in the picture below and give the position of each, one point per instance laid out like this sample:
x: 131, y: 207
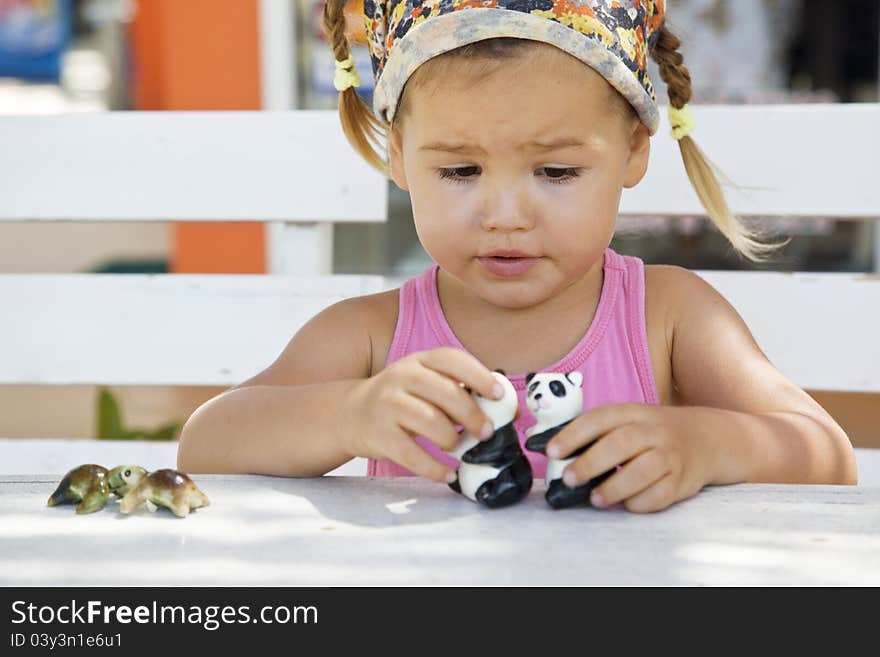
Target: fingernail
x: 451, y: 477
x: 596, y: 499
x: 487, y: 430
x: 498, y: 390
x: 553, y: 451
x: 569, y: 479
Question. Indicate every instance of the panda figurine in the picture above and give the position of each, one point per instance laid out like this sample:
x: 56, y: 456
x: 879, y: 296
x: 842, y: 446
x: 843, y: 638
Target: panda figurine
x: 555, y: 399
x: 494, y: 472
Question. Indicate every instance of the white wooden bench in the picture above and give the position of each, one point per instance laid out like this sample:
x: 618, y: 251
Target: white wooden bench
x: 820, y: 329
x: 296, y: 169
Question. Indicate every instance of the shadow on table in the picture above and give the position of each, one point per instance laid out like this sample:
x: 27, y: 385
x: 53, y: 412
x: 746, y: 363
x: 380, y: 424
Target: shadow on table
x: 391, y: 501
x: 356, y: 500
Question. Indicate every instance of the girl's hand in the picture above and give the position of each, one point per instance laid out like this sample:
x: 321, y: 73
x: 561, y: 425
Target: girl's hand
x: 664, y: 458
x: 418, y: 395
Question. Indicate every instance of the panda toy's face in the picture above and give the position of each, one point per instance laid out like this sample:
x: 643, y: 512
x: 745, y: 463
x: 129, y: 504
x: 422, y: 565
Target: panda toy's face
x: 499, y: 411
x: 554, y: 397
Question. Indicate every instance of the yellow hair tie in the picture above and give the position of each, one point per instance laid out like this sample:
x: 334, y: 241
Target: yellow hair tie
x: 346, y: 74
x: 681, y: 120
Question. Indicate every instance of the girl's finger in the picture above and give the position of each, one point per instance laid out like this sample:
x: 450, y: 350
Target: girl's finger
x: 421, y: 418
x: 404, y: 450
x: 641, y: 473
x: 656, y: 497
x: 591, y: 425
x: 450, y: 398
x: 615, y: 448
x: 464, y: 367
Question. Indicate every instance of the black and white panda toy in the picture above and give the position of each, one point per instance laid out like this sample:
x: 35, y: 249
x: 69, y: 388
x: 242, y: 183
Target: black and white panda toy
x: 555, y: 399
x: 494, y: 472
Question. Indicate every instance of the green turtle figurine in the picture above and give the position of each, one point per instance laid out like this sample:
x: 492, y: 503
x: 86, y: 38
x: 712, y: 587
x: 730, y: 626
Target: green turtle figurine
x: 122, y: 478
x: 168, y: 488
x: 86, y: 484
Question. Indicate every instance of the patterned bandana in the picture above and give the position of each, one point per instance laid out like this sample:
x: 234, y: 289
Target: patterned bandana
x: 613, y: 37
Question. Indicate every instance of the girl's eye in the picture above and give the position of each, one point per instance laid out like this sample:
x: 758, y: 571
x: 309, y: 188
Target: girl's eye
x: 458, y: 175
x: 559, y: 176
x: 554, y: 175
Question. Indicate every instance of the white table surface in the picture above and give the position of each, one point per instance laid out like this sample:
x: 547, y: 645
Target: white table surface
x: 345, y: 530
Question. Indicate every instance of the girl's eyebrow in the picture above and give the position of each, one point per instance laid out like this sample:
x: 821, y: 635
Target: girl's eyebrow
x: 556, y: 144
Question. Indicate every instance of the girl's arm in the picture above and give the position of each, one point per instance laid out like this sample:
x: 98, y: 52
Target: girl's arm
x: 763, y: 427
x: 269, y: 424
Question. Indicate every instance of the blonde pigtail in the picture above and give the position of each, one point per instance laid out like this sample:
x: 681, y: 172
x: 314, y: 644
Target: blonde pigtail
x: 700, y: 170
x: 364, y: 131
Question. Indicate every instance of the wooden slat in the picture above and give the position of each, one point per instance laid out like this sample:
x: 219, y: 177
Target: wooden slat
x: 192, y: 166
x: 792, y: 160
x: 156, y: 330
x: 58, y: 455
x: 819, y: 329
x: 795, y: 160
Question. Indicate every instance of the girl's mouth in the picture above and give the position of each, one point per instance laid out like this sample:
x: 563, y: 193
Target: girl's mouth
x: 506, y: 266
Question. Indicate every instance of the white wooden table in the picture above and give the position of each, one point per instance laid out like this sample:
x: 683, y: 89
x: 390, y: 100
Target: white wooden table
x: 405, y: 531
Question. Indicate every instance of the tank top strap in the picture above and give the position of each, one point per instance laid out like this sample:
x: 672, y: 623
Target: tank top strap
x: 636, y: 325
x: 405, y: 318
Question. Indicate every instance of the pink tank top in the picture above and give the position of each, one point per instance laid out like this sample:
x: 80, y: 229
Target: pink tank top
x: 612, y: 355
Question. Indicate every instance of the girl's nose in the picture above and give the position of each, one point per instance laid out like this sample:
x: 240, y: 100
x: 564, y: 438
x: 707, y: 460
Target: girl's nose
x: 507, y: 209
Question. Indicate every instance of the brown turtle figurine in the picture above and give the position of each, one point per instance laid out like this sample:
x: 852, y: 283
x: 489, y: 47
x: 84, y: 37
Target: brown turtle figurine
x: 86, y: 484
x: 168, y: 488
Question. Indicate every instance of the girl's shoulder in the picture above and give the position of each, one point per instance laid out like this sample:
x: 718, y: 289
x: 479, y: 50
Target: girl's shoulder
x: 671, y: 291
x: 684, y: 315
x: 376, y: 316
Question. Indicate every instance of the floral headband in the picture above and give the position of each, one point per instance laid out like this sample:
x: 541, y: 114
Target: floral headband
x: 613, y: 37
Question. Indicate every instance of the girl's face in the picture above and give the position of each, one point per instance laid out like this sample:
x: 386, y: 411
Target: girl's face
x: 515, y: 180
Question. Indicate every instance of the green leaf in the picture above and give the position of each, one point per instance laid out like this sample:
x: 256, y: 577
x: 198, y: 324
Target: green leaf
x: 109, y: 416
x: 167, y: 432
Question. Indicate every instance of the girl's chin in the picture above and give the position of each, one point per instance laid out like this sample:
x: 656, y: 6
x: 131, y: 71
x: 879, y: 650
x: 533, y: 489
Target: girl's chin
x: 507, y: 294
x: 511, y: 293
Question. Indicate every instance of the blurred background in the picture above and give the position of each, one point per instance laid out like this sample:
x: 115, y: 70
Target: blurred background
x: 59, y: 56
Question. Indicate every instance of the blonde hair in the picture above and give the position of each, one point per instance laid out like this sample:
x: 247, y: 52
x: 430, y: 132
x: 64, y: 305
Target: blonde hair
x: 367, y: 133
x: 701, y: 172
x: 362, y: 128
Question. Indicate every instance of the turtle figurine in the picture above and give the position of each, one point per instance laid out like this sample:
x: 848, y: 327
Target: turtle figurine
x: 122, y: 478
x: 168, y: 488
x: 87, y: 484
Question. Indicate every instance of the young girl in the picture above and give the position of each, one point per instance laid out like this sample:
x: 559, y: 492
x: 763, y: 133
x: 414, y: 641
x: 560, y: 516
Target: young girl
x: 514, y: 125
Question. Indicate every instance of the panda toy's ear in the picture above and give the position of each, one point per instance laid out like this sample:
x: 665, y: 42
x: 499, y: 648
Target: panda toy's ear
x: 529, y: 377
x: 576, y: 378
x: 501, y: 372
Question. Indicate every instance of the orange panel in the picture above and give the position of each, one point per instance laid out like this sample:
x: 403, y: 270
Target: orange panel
x: 145, y: 39
x: 202, y: 55
x: 213, y: 54
x: 219, y: 248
